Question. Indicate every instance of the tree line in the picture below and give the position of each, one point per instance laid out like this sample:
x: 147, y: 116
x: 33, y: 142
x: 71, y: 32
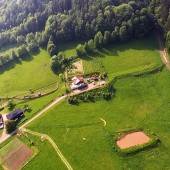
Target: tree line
x: 43, y: 23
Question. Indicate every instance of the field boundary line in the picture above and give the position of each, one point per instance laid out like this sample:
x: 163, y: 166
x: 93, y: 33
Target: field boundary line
x: 69, y: 167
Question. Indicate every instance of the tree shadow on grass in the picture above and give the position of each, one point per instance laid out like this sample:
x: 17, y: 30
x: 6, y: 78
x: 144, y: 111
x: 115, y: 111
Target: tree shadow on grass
x: 110, y: 52
x: 10, y: 66
x: 27, y: 58
x: 145, y: 43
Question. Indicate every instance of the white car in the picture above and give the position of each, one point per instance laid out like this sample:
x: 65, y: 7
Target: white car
x: 1, y: 122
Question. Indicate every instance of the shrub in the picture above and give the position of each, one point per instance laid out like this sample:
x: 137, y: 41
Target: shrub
x: 11, y: 105
x: 72, y: 100
x: 107, y: 95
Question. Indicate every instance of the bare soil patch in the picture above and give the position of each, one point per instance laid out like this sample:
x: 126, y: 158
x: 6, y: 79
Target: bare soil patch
x: 15, y: 155
x: 77, y: 67
x: 16, y: 159
x: 132, y: 139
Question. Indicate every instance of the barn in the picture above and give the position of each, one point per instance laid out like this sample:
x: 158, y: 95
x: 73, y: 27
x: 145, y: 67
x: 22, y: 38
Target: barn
x: 15, y: 114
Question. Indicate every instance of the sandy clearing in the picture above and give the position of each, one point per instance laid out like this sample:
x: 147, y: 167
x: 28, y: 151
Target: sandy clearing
x: 77, y: 68
x: 132, y: 139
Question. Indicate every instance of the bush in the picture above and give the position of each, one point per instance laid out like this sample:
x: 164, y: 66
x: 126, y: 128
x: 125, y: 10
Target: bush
x: 11, y: 105
x: 107, y: 96
x: 67, y: 90
x: 10, y: 126
x: 72, y: 100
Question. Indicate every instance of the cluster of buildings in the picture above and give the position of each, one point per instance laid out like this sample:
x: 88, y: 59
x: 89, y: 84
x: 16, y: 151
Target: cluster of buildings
x: 79, y: 82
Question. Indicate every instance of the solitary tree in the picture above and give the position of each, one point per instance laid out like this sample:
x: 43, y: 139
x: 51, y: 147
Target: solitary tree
x: 80, y: 50
x: 10, y: 126
x: 11, y: 105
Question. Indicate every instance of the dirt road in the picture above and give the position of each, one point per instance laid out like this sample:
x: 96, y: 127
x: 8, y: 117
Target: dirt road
x: 162, y: 51
x: 6, y: 136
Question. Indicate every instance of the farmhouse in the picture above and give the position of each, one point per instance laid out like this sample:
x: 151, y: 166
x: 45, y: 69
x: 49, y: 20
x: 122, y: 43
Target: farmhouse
x: 77, y: 83
x: 15, y: 114
x: 77, y: 80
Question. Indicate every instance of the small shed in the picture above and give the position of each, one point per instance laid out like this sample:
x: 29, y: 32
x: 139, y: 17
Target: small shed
x: 15, y: 114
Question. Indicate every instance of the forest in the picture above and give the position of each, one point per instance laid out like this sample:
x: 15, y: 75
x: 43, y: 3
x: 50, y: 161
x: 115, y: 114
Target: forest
x: 30, y: 25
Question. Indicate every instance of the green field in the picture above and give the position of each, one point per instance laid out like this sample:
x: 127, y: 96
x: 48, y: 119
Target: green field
x: 47, y: 158
x: 68, y: 48
x: 93, y: 64
x: 140, y: 54
x: 31, y: 73
x: 139, y: 102
x: 136, y: 99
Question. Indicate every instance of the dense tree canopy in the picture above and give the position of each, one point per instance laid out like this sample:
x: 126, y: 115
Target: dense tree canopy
x: 43, y: 23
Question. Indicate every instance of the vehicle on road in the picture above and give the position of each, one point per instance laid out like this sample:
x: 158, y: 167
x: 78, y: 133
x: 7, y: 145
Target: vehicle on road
x: 1, y: 122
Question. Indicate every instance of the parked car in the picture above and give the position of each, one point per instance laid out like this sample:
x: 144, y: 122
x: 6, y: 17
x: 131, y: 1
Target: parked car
x: 88, y: 79
x: 83, y: 85
x: 1, y: 122
x: 94, y: 78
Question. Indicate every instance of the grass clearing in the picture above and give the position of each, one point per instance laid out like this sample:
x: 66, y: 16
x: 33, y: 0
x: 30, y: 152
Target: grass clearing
x: 31, y: 73
x: 92, y: 64
x: 134, y: 54
x: 139, y: 103
x: 69, y: 48
x: 76, y: 69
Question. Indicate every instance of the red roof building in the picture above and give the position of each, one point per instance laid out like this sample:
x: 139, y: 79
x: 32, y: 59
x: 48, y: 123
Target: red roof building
x: 77, y: 80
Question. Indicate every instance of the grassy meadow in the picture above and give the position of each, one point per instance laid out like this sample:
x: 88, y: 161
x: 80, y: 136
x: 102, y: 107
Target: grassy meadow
x: 46, y: 158
x: 117, y: 59
x: 136, y: 99
x: 32, y: 73
x: 135, y: 54
x: 68, y: 48
x: 139, y: 102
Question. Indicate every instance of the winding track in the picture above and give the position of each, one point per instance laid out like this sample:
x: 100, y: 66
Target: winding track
x: 54, y: 146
